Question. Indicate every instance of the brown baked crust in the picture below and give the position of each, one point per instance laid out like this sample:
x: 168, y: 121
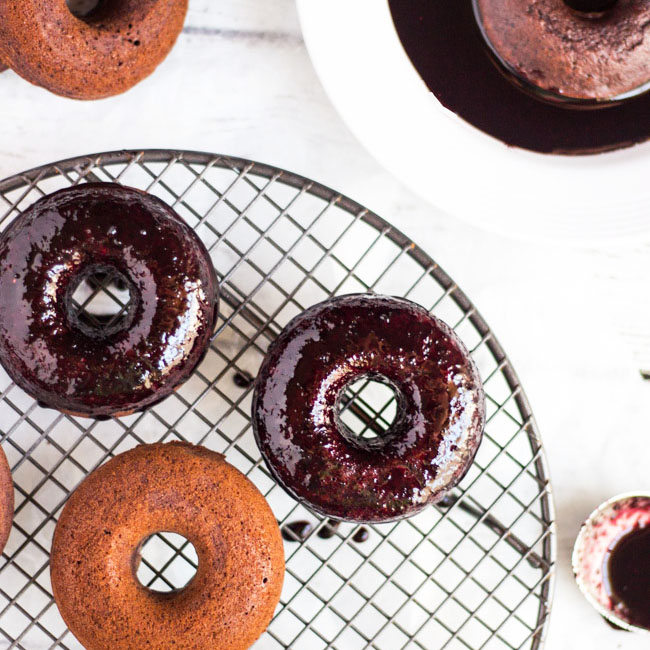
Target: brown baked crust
x: 594, y: 57
x: 109, y: 51
x: 6, y: 500
x: 180, y: 488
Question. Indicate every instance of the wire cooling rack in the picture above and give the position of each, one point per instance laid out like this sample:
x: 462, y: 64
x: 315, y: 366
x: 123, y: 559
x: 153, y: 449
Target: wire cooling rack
x: 473, y: 572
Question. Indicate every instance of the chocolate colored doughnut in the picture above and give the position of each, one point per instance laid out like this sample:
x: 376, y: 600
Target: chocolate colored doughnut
x: 565, y: 54
x: 179, y: 488
x: 317, y: 459
x: 6, y: 500
x: 68, y: 363
x: 104, y: 53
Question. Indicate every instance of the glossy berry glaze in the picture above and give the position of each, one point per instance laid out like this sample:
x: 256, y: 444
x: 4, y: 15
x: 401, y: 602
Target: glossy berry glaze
x: 611, y: 561
x: 317, y: 459
x: 64, y: 238
x: 627, y: 575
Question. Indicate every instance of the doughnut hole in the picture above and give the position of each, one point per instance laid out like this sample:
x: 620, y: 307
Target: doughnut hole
x: 117, y: 16
x: 369, y: 410
x: 82, y: 8
x: 166, y: 562
x: 591, y: 6
x: 102, y: 302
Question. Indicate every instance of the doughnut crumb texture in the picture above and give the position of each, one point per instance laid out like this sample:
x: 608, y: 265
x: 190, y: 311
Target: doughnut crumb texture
x: 568, y: 54
x: 6, y: 500
x: 98, y: 55
x: 173, y: 487
x: 309, y: 450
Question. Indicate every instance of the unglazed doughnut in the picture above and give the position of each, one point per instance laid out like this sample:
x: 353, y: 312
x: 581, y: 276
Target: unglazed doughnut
x: 76, y: 233
x: 317, y: 459
x: 6, y: 500
x: 600, y: 54
x: 178, y: 488
x: 107, y: 52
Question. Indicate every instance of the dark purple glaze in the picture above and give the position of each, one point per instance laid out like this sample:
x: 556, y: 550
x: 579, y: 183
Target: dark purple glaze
x: 243, y: 379
x: 627, y: 576
x: 445, y: 45
x: 313, y: 455
x: 296, y: 531
x: 329, y: 528
x: 102, y: 227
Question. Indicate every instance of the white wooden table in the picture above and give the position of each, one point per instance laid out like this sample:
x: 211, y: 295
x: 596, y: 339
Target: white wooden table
x: 575, y: 322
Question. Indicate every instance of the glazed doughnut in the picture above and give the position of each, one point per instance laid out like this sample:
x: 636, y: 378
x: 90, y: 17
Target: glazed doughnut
x: 6, y: 500
x: 107, y: 52
x: 601, y: 55
x: 177, y: 488
x: 66, y: 362
x: 317, y: 459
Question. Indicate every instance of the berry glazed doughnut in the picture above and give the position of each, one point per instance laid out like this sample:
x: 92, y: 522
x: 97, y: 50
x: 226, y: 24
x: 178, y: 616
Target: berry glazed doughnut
x: 317, y: 459
x: 178, y: 488
x: 6, y: 500
x: 104, y: 53
x: 71, y: 364
x: 587, y: 51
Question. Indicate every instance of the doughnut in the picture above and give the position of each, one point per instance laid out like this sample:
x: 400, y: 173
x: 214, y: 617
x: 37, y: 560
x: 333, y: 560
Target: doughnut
x: 180, y: 488
x: 104, y: 53
x: 312, y: 453
x: 6, y: 500
x: 571, y: 50
x: 68, y: 363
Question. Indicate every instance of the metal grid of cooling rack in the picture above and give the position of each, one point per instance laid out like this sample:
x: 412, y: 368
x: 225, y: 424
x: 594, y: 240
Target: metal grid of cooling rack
x: 473, y: 572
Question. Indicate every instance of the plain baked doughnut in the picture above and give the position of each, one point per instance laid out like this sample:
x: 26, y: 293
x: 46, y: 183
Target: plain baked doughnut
x: 562, y: 53
x: 178, y: 488
x: 107, y: 52
x: 6, y: 500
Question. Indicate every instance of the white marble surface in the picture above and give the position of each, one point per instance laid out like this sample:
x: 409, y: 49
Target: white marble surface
x: 575, y: 321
